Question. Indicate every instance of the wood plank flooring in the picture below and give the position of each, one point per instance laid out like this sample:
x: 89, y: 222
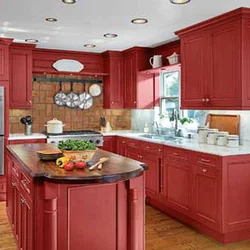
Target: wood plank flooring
x: 162, y: 233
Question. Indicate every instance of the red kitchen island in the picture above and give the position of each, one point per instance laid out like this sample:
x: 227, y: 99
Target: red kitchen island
x: 53, y: 209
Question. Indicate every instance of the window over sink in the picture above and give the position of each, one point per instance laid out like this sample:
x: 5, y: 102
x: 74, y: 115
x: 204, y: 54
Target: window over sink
x: 170, y: 90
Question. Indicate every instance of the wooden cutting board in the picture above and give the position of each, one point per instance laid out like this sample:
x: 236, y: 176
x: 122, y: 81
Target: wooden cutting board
x: 230, y: 123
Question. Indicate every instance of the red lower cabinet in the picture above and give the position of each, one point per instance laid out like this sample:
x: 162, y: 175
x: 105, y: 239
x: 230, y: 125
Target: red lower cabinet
x: 122, y: 145
x: 109, y: 144
x: 27, y: 141
x: 207, y: 196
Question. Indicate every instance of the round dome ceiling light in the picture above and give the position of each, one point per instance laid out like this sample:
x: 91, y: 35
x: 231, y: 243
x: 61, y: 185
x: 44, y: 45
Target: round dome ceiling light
x: 110, y: 35
x: 69, y: 1
x: 180, y: 1
x: 51, y: 19
x: 139, y: 21
x: 89, y: 45
x: 31, y: 40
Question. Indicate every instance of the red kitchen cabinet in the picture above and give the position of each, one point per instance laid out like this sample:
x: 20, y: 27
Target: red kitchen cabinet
x: 139, y: 88
x: 122, y: 145
x: 109, y: 144
x: 114, y: 82
x: 207, y: 196
x: 215, y: 61
x: 134, y: 150
x: 2, y: 189
x: 4, y: 58
x: 21, y: 76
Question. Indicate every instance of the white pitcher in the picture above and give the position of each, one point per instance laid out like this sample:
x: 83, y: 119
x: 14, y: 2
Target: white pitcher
x: 156, y: 61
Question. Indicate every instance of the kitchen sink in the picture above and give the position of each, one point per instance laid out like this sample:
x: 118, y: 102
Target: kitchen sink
x: 158, y: 137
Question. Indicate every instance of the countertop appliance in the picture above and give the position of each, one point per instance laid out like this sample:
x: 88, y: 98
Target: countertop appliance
x: 89, y: 135
x: 1, y: 130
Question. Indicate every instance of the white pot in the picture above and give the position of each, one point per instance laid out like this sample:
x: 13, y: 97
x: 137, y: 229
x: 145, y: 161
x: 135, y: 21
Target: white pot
x: 54, y: 126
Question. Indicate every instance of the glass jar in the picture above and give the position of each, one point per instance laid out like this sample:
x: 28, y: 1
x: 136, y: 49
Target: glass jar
x: 202, y: 134
x: 222, y: 138
x: 233, y: 141
x: 212, y: 135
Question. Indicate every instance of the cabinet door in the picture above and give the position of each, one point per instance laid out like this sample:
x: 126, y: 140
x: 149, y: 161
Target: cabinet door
x: 225, y: 85
x: 4, y: 62
x: 20, y: 78
x: 179, y: 180
x: 26, y: 229
x: 195, y: 73
x: 16, y: 209
x: 109, y: 144
x: 133, y: 150
x: 130, y: 76
x: 114, y: 82
x: 122, y: 146
x: 152, y: 174
x: 207, y: 194
x: 9, y: 189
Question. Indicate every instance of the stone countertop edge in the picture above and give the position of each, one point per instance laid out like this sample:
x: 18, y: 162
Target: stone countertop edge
x: 20, y: 136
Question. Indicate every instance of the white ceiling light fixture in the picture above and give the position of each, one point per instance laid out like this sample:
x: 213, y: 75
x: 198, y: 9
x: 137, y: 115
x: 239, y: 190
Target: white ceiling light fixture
x: 89, y: 45
x: 180, y: 1
x: 31, y: 40
x: 51, y: 19
x: 69, y: 1
x: 110, y: 35
x: 139, y: 20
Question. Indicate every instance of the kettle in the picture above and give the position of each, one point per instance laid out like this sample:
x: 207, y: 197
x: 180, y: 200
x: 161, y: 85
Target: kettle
x: 156, y: 61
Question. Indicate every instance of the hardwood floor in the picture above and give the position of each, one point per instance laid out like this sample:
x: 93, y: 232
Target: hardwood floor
x: 162, y: 233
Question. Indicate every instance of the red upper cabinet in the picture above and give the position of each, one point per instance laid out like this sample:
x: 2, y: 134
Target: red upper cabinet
x: 21, y: 76
x: 4, y: 58
x: 139, y: 88
x: 215, y: 61
x: 114, y: 82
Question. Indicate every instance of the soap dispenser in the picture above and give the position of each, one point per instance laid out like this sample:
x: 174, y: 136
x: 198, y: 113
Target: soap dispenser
x: 146, y: 128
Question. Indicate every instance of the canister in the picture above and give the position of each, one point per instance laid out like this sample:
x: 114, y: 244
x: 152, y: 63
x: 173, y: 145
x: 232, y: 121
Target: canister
x: 222, y: 138
x: 202, y: 134
x: 212, y: 135
x: 233, y: 141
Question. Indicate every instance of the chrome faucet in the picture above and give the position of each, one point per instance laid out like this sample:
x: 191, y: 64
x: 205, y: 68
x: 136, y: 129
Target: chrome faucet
x: 155, y: 123
x: 175, y: 118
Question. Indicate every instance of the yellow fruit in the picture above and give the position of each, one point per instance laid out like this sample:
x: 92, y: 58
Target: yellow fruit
x: 61, y: 161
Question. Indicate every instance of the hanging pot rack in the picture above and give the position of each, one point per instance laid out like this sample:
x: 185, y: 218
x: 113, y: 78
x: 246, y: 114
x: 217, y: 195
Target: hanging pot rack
x: 60, y: 79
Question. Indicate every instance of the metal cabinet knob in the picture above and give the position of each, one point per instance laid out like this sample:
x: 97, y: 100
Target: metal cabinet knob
x: 13, y: 184
x: 112, y: 102
x: 207, y: 100
x: 134, y: 102
x: 159, y: 150
x: 23, y: 201
x: 204, y: 170
x: 30, y: 101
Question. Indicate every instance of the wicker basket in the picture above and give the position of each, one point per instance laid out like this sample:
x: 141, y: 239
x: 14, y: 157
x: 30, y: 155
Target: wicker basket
x: 79, y: 155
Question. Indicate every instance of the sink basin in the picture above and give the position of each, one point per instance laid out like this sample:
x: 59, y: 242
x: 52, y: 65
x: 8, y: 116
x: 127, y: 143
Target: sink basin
x: 158, y: 137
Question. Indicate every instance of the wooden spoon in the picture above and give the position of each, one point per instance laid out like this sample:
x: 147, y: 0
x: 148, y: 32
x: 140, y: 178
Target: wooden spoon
x: 98, y: 163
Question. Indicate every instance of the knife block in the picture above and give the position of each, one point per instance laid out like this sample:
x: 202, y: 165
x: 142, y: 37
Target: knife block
x: 108, y: 128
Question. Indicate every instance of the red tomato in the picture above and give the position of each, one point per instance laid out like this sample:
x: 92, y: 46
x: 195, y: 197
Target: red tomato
x: 80, y: 164
x: 69, y: 166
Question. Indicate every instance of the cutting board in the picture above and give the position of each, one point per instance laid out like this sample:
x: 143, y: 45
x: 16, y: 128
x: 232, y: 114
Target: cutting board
x: 230, y: 123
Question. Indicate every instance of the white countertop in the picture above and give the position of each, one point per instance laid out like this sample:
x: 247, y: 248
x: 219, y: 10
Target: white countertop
x: 26, y: 137
x: 190, y: 144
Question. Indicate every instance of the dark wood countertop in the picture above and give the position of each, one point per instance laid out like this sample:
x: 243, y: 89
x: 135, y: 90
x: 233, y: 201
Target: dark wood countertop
x: 117, y: 168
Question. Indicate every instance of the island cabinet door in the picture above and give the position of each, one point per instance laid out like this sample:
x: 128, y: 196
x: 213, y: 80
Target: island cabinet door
x: 207, y: 196
x: 92, y: 217
x: 9, y: 189
x: 109, y: 144
x: 25, y: 240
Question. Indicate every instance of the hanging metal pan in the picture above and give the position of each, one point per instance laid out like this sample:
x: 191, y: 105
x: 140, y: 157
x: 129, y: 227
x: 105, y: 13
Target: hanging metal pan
x: 72, y: 100
x: 95, y: 89
x: 86, y: 100
x: 60, y: 97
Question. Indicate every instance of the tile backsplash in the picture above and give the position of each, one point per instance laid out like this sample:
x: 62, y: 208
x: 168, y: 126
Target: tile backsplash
x: 44, y: 109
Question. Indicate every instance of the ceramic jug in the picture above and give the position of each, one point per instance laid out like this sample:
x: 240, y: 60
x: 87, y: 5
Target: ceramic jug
x: 156, y: 61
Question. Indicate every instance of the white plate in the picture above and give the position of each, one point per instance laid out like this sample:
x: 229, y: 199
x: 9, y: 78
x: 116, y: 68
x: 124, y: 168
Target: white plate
x: 95, y: 89
x: 68, y: 65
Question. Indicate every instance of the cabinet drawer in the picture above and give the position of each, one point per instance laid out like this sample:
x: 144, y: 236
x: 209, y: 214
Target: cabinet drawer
x: 152, y: 148
x: 16, y: 171
x: 26, y: 184
x: 2, y: 187
x: 208, y: 171
x: 134, y: 143
x: 206, y: 160
x: 177, y: 153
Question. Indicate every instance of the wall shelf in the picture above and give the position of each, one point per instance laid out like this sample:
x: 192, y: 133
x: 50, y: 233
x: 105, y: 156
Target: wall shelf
x: 71, y: 73
x: 160, y: 69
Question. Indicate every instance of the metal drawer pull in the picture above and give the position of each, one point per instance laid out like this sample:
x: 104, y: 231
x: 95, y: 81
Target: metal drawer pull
x: 176, y: 154
x: 23, y: 201
x: 204, y: 170
x: 147, y: 147
x: 24, y: 183
x: 159, y: 150
x: 205, y: 160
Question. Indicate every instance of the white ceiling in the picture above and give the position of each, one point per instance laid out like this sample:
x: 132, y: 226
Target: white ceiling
x: 87, y: 21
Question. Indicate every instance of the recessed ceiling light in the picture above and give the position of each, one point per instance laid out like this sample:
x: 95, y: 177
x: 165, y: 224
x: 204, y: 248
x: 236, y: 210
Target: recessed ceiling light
x: 69, y: 1
x: 110, y: 35
x: 31, y: 40
x: 89, y: 45
x: 139, y: 20
x: 51, y: 19
x: 180, y: 1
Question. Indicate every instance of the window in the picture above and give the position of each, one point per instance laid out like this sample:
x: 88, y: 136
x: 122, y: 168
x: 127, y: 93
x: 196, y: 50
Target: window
x: 170, y: 99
